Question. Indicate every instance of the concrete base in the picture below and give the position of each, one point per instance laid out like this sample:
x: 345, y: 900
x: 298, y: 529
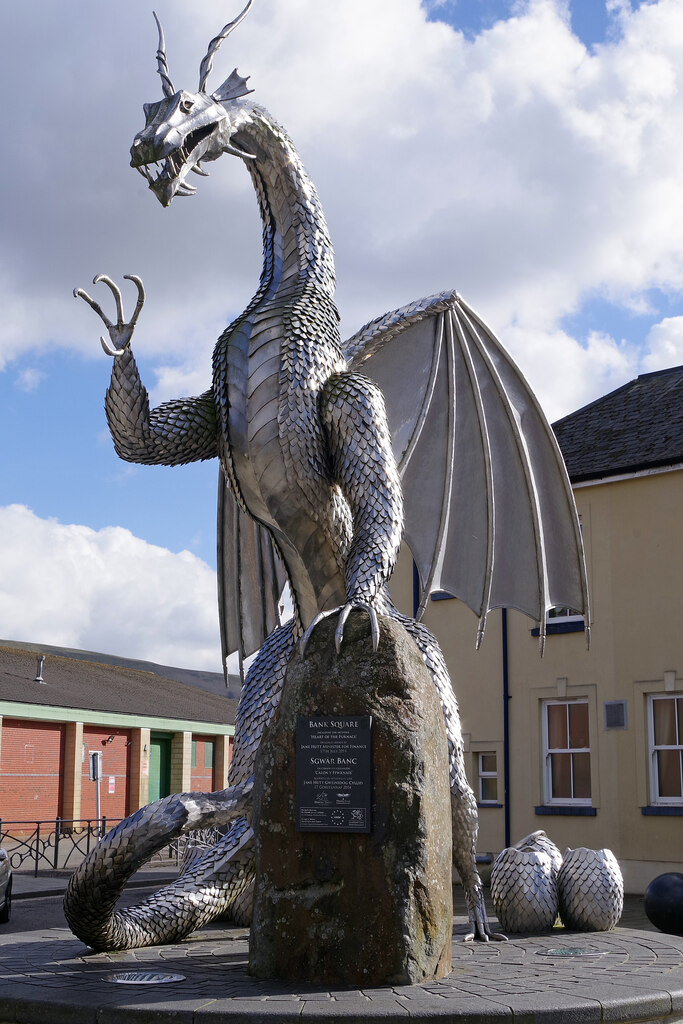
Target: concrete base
x: 635, y: 975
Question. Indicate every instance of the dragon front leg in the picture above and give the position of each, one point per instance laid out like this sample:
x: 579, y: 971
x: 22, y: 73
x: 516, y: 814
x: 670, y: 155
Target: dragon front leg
x: 176, y: 432
x: 363, y: 467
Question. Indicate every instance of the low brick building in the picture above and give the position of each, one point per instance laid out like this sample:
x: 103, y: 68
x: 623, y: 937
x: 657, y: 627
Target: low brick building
x: 156, y: 734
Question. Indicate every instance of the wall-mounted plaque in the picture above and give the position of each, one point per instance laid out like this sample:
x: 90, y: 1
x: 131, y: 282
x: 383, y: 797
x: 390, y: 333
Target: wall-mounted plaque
x: 333, y: 773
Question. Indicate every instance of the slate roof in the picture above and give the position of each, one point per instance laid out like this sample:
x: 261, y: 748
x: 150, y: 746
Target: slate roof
x: 214, y: 682
x: 637, y: 427
x: 92, y: 686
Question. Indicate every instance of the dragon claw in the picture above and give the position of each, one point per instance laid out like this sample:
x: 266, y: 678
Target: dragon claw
x: 121, y: 332
x: 109, y: 349
x: 343, y: 616
x: 306, y: 638
x: 480, y: 929
x: 343, y: 612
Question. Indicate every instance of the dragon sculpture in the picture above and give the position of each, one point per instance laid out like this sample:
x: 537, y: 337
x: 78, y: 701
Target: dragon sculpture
x: 316, y: 458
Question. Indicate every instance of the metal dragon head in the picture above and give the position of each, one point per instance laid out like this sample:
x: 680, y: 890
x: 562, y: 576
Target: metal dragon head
x: 185, y: 128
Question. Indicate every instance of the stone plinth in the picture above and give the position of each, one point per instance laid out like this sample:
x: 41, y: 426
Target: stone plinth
x: 349, y: 909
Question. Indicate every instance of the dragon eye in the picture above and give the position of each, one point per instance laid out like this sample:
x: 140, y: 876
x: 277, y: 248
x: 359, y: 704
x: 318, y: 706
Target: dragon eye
x: 186, y: 105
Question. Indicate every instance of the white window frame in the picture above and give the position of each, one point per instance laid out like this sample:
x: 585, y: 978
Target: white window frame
x: 548, y: 798
x: 481, y: 774
x: 655, y: 799
x: 558, y: 614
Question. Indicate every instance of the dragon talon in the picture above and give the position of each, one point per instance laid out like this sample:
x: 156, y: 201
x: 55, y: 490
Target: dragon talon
x: 110, y: 350
x: 137, y: 281
x: 480, y: 929
x: 343, y: 616
x: 339, y: 631
x: 374, y: 627
x: 116, y: 292
x: 306, y: 638
x: 79, y: 293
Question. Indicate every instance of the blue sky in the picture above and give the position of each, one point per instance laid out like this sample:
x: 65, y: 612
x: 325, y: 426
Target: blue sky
x: 524, y: 151
x: 589, y: 18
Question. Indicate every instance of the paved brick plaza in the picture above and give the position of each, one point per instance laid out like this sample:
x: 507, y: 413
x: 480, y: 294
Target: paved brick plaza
x: 636, y: 975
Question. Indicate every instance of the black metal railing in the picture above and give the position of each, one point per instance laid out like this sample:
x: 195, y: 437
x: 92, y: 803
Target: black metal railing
x: 62, y: 843
x: 53, y: 843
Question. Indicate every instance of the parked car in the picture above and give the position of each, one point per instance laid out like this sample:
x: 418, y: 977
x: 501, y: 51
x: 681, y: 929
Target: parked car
x: 5, y: 887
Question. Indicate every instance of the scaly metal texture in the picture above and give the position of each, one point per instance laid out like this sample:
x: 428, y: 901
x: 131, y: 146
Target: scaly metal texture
x: 524, y: 891
x: 311, y: 464
x: 524, y: 884
x: 591, y: 890
x: 531, y: 882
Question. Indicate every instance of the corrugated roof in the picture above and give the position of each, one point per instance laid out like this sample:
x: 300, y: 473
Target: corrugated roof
x: 93, y: 686
x: 637, y: 427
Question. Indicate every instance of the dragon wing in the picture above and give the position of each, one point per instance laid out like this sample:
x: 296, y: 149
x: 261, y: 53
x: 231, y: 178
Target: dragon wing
x: 489, y: 511
x: 251, y: 578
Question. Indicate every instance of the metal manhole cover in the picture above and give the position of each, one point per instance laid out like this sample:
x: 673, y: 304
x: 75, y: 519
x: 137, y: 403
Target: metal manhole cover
x: 143, y: 978
x: 570, y: 951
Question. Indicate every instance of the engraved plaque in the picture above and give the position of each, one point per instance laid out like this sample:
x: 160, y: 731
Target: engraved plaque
x: 333, y: 773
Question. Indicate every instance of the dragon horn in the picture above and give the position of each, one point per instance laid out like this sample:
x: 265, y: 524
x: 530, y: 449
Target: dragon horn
x: 162, y: 65
x: 205, y: 66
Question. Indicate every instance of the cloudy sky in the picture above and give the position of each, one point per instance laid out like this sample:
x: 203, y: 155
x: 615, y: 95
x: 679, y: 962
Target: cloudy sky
x: 527, y: 152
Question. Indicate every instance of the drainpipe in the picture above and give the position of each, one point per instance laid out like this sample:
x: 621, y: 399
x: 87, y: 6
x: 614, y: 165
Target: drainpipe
x: 506, y: 728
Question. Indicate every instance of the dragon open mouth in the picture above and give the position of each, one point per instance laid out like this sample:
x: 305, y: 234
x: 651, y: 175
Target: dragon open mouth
x: 170, y: 177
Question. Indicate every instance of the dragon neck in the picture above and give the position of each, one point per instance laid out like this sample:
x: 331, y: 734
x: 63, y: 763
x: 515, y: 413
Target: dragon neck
x: 297, y: 251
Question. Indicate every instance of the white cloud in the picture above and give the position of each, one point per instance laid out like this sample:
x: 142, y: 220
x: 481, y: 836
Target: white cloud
x: 105, y: 590
x: 184, y: 379
x: 517, y: 166
x: 665, y: 344
x: 29, y: 379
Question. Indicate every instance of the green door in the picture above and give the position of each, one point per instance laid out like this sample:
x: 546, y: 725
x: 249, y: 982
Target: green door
x: 159, y: 766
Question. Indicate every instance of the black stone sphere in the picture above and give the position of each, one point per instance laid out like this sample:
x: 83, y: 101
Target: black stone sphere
x: 664, y: 902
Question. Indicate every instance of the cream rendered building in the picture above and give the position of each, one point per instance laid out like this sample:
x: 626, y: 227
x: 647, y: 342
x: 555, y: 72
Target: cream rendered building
x: 588, y: 744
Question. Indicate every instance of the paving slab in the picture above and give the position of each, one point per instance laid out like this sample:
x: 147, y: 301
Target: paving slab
x: 627, y: 975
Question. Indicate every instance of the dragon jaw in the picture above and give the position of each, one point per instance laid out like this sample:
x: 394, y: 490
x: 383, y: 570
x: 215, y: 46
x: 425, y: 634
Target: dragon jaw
x: 181, y: 131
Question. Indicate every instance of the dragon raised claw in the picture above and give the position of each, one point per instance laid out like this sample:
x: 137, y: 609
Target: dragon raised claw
x: 314, y: 471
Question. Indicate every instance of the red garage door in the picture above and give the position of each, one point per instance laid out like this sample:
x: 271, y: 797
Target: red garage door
x: 114, y: 745
x: 31, y: 770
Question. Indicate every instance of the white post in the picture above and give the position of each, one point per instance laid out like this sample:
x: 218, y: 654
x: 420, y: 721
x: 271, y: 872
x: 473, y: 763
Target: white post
x: 95, y: 775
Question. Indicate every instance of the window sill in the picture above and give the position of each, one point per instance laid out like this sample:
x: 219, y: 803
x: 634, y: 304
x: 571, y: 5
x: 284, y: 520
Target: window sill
x: 564, y: 810
x: 555, y: 628
x: 661, y: 810
x: 484, y: 806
